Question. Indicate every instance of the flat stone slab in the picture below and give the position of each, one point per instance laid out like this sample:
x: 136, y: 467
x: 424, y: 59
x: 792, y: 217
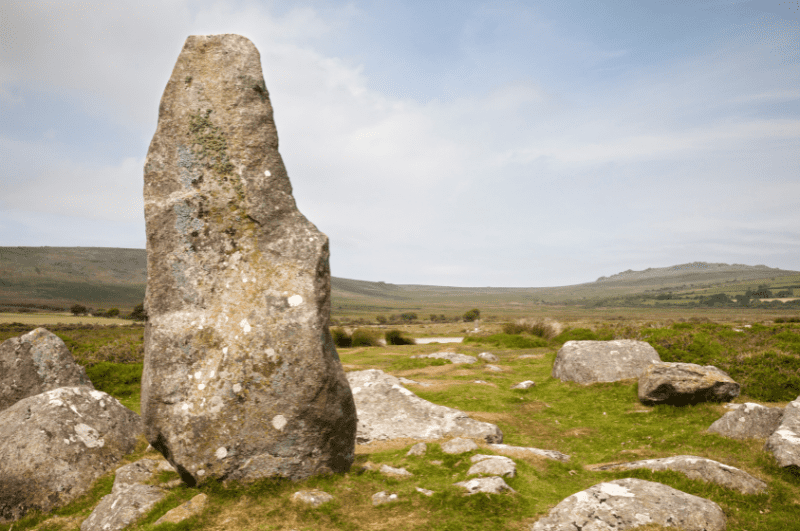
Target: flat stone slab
x: 492, y: 465
x: 630, y: 503
x: 680, y: 384
x: 382, y: 497
x: 314, y: 497
x: 490, y: 485
x: 517, y: 450
x: 185, y: 511
x: 785, y: 442
x: 459, y: 446
x: 387, y: 410
x: 527, y: 384
x: 587, y: 362
x: 699, y: 468
x: 392, y: 471
x: 452, y: 356
x: 750, y: 421
x: 488, y: 356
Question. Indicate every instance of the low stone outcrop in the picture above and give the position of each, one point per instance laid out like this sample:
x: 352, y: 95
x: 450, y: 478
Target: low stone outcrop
x: 185, y: 511
x: 459, y: 445
x: 527, y: 384
x: 749, y: 421
x: 314, y: 498
x: 452, y: 356
x: 699, y: 468
x: 587, y: 362
x: 492, y: 465
x: 490, y: 485
x: 130, y: 498
x: 54, y: 445
x: 379, y: 498
x: 680, y: 384
x: 522, y: 450
x: 418, y: 449
x: 387, y: 410
x: 785, y: 442
x: 630, y: 503
x: 34, y: 363
x: 393, y: 471
x: 488, y: 357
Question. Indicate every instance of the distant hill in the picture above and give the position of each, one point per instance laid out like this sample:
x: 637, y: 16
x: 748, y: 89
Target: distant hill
x: 104, y: 277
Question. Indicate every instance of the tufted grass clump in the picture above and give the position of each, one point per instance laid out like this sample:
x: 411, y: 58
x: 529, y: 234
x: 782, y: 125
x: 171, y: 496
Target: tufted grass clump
x: 341, y: 338
x: 120, y: 380
x: 396, y: 337
x: 508, y: 341
x: 363, y: 337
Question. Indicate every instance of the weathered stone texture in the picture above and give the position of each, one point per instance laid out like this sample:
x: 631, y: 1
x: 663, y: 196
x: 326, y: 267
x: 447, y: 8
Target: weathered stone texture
x: 387, y: 410
x: 630, y: 503
x: 587, y: 362
x: 34, y: 363
x: 680, y: 384
x: 54, y: 445
x: 490, y: 485
x: 492, y: 465
x: 749, y: 421
x: 785, y: 442
x: 241, y: 378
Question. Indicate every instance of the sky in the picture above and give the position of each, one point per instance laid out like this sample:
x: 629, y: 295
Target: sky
x: 455, y: 143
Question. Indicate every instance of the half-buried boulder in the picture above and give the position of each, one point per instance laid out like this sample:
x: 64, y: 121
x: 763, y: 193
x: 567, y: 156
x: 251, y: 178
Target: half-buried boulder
x: 55, y: 444
x: 748, y: 421
x: 680, y: 384
x: 387, y: 410
x: 785, y: 442
x: 630, y: 503
x: 34, y: 363
x: 587, y: 362
x: 241, y: 377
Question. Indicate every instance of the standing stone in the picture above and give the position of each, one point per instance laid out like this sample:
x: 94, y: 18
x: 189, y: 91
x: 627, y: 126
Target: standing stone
x: 785, y: 442
x: 34, y: 363
x: 241, y: 377
x: 587, y: 362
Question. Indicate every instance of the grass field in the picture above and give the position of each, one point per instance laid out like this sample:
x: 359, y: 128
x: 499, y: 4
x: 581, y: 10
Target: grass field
x: 600, y: 423
x: 43, y: 319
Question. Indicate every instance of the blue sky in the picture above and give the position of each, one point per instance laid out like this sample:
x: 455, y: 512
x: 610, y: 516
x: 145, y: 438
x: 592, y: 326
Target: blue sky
x: 449, y: 143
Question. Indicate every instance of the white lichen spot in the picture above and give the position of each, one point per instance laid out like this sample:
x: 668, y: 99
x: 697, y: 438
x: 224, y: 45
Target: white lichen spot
x: 267, y: 174
x: 198, y: 374
x: 226, y: 319
x: 193, y: 323
x: 97, y: 395
x: 271, y: 354
x: 201, y: 472
x: 295, y: 300
x: 279, y: 422
x: 225, y: 350
x: 402, y: 390
x: 244, y: 280
x: 185, y: 407
x: 75, y: 410
x: 582, y: 497
x: 211, y: 374
x: 642, y: 519
x: 237, y: 387
x: 200, y: 327
x: 201, y: 386
x: 221, y: 452
x: 190, y: 376
x: 89, y: 436
x: 613, y: 489
x: 788, y: 435
x: 743, y: 419
x: 245, y: 326
x: 66, y: 441
x: 356, y: 390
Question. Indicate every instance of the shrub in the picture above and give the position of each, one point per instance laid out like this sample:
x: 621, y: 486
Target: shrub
x: 113, y: 312
x: 539, y: 328
x: 138, y: 313
x: 472, y: 315
x: 341, y: 338
x: 408, y: 316
x: 395, y: 337
x: 381, y: 319
x: 508, y: 341
x: 576, y: 334
x: 78, y: 309
x: 363, y: 337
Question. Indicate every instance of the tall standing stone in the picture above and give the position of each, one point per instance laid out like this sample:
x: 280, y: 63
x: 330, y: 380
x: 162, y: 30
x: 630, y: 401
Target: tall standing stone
x: 241, y: 378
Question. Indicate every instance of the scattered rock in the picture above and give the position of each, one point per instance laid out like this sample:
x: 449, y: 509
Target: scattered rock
x: 387, y: 410
x: 314, y: 498
x: 191, y: 508
x: 54, y: 445
x: 418, y: 449
x: 392, y: 471
x: 488, y: 356
x: 587, y: 362
x: 785, y: 442
x: 751, y: 421
x: 412, y: 382
x: 493, y: 465
x: 241, y: 377
x: 459, y: 446
x: 490, y: 485
x: 699, y: 468
x: 530, y: 356
x: 130, y: 497
x: 527, y: 384
x: 382, y: 497
x: 493, y: 368
x: 680, y: 384
x: 517, y: 450
x: 426, y: 492
x: 452, y: 356
x: 480, y: 382
x: 630, y: 503
x: 34, y: 363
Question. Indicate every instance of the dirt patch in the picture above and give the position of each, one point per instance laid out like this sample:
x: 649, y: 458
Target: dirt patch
x: 579, y: 432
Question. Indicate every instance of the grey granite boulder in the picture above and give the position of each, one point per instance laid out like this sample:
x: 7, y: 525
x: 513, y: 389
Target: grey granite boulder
x: 54, y: 445
x: 34, y: 363
x: 587, y: 362
x: 785, y: 442
x: 387, y: 410
x: 630, y: 503
x: 488, y: 356
x: 680, y: 384
x: 382, y: 497
x: 241, y: 377
x: 490, y: 485
x: 527, y: 384
x: 184, y: 511
x: 492, y: 465
x: 699, y: 468
x: 749, y: 421
x: 418, y: 449
x: 459, y: 445
x: 522, y: 450
x: 451, y: 356
x: 131, y: 497
x: 392, y: 471
x: 314, y: 498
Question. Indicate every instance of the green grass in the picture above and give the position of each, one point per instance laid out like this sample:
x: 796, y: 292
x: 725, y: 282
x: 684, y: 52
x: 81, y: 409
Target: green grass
x: 508, y: 341
x: 122, y: 381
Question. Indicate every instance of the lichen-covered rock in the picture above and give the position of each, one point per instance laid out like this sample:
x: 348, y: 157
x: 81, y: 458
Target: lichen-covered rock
x: 131, y: 497
x: 34, y: 363
x: 523, y: 450
x: 587, y: 362
x: 492, y: 465
x: 54, y: 445
x: 392, y: 471
x: 749, y: 421
x: 699, y: 468
x: 241, y: 377
x: 379, y: 498
x: 680, y: 384
x: 490, y: 485
x: 314, y: 498
x: 785, y: 442
x: 630, y: 503
x: 488, y: 356
x: 451, y: 356
x: 418, y: 449
x: 459, y: 445
x: 387, y: 410
x: 527, y: 384
x: 185, y: 511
